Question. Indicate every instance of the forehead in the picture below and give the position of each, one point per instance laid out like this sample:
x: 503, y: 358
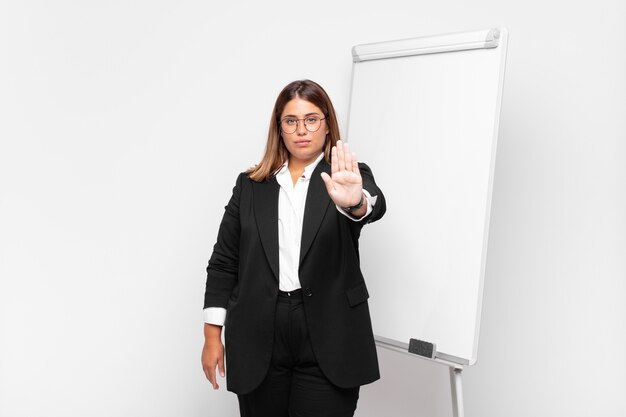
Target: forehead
x: 299, y: 107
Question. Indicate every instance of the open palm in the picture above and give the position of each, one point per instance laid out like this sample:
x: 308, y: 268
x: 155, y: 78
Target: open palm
x: 344, y: 185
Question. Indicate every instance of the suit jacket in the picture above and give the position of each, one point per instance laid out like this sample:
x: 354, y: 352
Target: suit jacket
x: 242, y: 276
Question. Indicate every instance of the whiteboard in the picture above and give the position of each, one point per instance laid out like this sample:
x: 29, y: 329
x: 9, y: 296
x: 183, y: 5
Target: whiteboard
x: 424, y: 116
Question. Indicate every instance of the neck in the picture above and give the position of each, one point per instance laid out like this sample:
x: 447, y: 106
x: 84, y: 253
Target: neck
x: 296, y: 170
x: 296, y: 167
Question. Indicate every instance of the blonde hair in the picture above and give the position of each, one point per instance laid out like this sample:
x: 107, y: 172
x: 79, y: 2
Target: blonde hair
x: 275, y: 151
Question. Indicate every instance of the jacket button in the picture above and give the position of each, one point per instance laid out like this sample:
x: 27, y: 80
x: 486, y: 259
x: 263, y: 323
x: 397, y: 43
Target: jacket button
x: 308, y: 292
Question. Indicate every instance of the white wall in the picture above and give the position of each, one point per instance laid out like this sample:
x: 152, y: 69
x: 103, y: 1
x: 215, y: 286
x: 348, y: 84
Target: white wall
x: 123, y: 126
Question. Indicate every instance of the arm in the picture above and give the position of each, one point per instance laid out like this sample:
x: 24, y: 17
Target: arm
x: 223, y: 268
x: 379, y: 206
x: 213, y: 353
x: 222, y: 273
x: 368, y: 205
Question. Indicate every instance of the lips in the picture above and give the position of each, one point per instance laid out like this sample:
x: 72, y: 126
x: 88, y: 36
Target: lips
x: 302, y: 142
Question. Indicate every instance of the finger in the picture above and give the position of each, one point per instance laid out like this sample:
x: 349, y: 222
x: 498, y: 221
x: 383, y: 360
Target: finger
x: 220, y: 366
x: 347, y: 156
x: 355, y: 165
x: 330, y: 185
x: 341, y: 161
x: 328, y: 182
x: 334, y: 165
x: 212, y: 377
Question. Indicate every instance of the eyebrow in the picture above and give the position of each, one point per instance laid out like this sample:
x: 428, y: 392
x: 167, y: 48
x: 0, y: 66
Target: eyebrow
x: 308, y: 114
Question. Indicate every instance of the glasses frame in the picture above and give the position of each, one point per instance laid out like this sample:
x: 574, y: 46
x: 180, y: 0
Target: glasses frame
x: 280, y: 124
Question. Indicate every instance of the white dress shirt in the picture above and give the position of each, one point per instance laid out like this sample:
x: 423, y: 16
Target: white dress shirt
x: 291, y: 202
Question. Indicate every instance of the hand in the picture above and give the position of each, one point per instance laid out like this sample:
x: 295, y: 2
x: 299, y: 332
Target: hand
x: 213, y: 353
x: 345, y: 187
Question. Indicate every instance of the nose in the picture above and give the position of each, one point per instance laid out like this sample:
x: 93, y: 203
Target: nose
x: 301, y: 128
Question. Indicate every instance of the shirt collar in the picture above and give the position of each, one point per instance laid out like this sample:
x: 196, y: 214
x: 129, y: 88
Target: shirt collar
x: 308, y: 170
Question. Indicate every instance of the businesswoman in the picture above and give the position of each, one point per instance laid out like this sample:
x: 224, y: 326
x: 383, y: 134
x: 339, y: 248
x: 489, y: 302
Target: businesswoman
x: 284, y: 279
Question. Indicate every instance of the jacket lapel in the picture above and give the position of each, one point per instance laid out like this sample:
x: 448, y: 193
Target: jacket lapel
x: 266, y: 215
x: 317, y: 203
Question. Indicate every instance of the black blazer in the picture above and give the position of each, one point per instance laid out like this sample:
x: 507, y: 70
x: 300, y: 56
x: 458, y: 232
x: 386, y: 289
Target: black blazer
x: 242, y: 276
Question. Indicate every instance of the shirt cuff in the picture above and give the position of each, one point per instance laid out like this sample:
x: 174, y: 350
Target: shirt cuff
x: 214, y: 315
x: 371, y: 200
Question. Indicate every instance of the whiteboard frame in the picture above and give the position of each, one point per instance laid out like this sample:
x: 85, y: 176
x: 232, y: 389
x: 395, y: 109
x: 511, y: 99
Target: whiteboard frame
x: 462, y: 41
x: 480, y: 39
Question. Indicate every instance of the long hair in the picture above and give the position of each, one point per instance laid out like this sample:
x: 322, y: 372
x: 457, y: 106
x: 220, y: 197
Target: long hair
x: 275, y: 151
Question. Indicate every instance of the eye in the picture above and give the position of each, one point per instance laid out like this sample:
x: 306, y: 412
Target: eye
x: 290, y: 122
x: 312, y: 120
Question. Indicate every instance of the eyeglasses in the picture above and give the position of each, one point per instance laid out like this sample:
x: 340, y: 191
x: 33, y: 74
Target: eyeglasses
x: 311, y: 123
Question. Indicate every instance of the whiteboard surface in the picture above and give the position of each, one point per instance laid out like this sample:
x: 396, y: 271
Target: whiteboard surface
x: 427, y: 125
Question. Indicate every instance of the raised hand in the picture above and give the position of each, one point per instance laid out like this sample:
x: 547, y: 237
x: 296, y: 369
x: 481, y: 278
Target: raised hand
x: 344, y: 185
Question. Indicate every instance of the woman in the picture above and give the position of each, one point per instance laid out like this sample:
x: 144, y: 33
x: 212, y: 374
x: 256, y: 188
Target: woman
x: 285, y: 267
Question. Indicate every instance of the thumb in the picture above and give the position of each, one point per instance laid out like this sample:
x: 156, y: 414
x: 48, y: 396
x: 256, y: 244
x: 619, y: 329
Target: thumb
x: 330, y: 186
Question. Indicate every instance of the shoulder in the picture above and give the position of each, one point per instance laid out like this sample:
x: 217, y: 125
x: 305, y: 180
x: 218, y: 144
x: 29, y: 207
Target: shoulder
x: 244, y: 182
x: 244, y: 177
x: 365, y: 169
x: 241, y: 183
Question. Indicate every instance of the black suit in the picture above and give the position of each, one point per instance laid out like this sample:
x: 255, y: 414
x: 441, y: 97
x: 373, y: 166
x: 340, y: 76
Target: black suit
x: 243, y: 278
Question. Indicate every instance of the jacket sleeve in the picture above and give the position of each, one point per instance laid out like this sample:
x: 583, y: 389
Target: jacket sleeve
x: 370, y: 185
x: 223, y: 268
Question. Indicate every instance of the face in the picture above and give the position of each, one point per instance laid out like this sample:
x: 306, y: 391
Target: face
x: 304, y: 146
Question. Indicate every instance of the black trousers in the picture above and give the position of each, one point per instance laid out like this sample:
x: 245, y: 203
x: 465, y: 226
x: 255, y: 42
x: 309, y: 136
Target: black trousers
x: 295, y: 385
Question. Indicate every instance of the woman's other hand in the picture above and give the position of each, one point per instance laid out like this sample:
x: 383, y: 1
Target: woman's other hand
x: 213, y: 353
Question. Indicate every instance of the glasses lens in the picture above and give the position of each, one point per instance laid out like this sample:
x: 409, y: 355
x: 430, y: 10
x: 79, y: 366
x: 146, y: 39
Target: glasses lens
x: 312, y: 123
x: 289, y: 125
